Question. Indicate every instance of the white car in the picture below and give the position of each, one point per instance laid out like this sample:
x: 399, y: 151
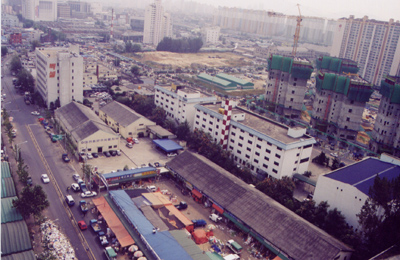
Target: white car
x: 88, y: 194
x: 334, y: 154
x: 89, y: 156
x: 171, y: 154
x: 76, y: 177
x: 45, y: 178
x: 135, y: 140
x: 35, y: 113
x: 75, y: 187
x: 118, y: 152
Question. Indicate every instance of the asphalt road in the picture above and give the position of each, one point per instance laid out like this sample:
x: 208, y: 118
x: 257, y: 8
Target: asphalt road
x: 43, y: 156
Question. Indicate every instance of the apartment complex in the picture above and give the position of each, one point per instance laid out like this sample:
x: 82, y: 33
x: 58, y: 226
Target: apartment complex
x: 211, y: 34
x: 39, y: 10
x: 59, y: 75
x: 287, y: 84
x: 179, y: 102
x: 375, y: 45
x: 157, y: 23
x: 272, y: 24
x: 386, y: 133
x: 266, y: 147
x: 340, y: 97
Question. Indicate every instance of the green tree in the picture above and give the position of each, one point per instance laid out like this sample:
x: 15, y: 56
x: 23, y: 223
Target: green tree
x: 22, y: 169
x: 15, y: 64
x: 144, y: 106
x: 32, y: 201
x: 158, y: 115
x: 335, y: 164
x: 280, y: 190
x: 128, y: 46
x: 117, y: 62
x: 183, y: 131
x: 28, y: 23
x: 87, y: 170
x: 35, y: 44
x: 136, y: 47
x: 135, y: 70
x: 26, y: 80
x: 4, y: 51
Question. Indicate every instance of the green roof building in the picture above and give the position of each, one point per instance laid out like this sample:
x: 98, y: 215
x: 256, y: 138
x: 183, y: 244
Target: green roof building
x: 218, y: 82
x: 240, y: 82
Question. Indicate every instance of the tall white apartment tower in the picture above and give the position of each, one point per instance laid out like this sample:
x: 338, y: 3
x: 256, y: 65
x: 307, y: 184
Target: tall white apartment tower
x: 40, y: 10
x: 59, y: 75
x: 374, y: 45
x: 157, y: 24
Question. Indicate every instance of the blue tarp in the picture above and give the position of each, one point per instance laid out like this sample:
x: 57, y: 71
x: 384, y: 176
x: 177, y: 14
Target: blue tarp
x: 167, y: 145
x: 131, y: 212
x: 166, y: 247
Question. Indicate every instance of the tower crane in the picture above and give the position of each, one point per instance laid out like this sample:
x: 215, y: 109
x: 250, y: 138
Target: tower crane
x: 297, y: 33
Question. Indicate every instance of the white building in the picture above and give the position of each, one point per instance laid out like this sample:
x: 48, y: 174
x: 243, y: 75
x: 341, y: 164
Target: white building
x: 375, y: 45
x: 157, y: 24
x: 265, y: 146
x: 211, y: 35
x: 9, y: 20
x: 59, y: 75
x: 179, y: 102
x: 347, y: 188
x: 39, y: 10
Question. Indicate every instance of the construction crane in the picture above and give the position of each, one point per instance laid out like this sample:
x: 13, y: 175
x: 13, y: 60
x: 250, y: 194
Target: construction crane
x: 297, y: 33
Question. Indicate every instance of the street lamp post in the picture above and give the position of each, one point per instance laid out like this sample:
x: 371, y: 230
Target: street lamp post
x: 17, y: 149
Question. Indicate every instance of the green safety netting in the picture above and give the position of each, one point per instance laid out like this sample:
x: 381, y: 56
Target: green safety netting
x: 297, y: 69
x: 337, y: 65
x: 342, y: 84
x: 301, y: 72
x: 391, y: 91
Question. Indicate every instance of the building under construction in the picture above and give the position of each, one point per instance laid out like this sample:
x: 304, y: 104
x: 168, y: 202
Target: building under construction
x: 287, y: 84
x: 386, y: 133
x: 340, y: 97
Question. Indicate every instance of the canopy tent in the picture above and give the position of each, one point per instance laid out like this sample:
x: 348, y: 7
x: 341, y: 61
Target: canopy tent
x: 200, y: 236
x: 113, y: 222
x: 167, y: 145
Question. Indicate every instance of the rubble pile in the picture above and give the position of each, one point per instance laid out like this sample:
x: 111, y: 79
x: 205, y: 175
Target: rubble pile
x: 56, y: 241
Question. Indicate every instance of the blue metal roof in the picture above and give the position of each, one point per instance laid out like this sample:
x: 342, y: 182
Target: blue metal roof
x: 128, y: 172
x: 131, y: 212
x: 167, y: 145
x: 362, y: 174
x: 166, y: 246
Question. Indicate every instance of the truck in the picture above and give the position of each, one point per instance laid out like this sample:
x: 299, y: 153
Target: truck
x: 234, y: 246
x: 83, y: 187
x: 83, y: 205
x: 110, y: 253
x: 95, y: 225
x: 182, y: 205
x: 103, y: 239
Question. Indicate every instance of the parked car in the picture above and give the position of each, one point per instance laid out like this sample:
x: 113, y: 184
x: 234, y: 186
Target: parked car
x: 113, y: 152
x: 135, y: 140
x: 89, y: 156
x: 82, y: 225
x: 70, y: 201
x: 88, y: 194
x: 234, y: 246
x: 35, y: 113
x: 29, y: 181
x: 75, y: 187
x: 199, y: 223
x: 45, y: 178
x: 76, y: 177
x: 107, y: 154
x: 103, y: 239
x: 129, y: 145
x: 118, y: 152
x: 171, y: 154
x: 65, y: 157
x: 95, y: 155
x: 182, y: 205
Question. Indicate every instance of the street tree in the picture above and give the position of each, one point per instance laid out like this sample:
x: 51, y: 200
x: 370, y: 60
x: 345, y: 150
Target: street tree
x: 4, y: 51
x: 183, y: 131
x: 135, y: 70
x: 136, y: 47
x: 15, y: 64
x: 32, y: 201
x: 35, y: 44
x: 26, y: 80
x: 280, y: 190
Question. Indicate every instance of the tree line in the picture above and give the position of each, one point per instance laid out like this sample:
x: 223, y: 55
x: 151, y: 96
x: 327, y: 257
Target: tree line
x: 183, y: 45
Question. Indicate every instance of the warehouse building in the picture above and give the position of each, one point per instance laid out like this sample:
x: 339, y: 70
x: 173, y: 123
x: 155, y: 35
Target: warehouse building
x: 218, y: 82
x: 243, y: 84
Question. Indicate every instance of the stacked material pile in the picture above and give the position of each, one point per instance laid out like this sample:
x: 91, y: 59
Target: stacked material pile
x: 56, y: 241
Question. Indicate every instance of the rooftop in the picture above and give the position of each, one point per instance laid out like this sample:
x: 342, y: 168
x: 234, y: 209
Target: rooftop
x: 262, y: 125
x: 120, y: 113
x: 362, y: 174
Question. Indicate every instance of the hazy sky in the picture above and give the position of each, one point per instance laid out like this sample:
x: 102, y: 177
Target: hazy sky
x: 374, y: 9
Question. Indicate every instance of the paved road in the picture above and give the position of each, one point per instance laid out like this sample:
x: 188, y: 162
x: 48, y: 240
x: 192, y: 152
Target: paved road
x: 43, y: 156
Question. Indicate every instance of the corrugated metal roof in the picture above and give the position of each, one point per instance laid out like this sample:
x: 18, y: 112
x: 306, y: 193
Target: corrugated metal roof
x: 154, y: 218
x: 5, y: 170
x: 91, y: 127
x: 189, y: 245
x: 27, y: 255
x: 74, y: 114
x: 280, y: 227
x: 234, y: 79
x: 215, y: 80
x: 166, y: 247
x: 132, y: 213
x: 14, y: 238
x: 8, y: 212
x: 122, y: 114
x: 362, y: 174
x: 133, y: 171
x: 7, y: 187
x: 167, y: 145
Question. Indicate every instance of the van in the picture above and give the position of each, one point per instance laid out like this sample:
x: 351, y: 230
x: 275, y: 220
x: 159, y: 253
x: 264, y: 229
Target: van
x: 151, y: 188
x: 234, y: 246
x: 70, y: 201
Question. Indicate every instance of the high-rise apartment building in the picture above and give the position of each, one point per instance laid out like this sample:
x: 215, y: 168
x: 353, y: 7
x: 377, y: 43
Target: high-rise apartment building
x: 266, y: 23
x: 287, y: 84
x: 386, y: 133
x: 340, y: 98
x: 59, y: 75
x: 157, y: 24
x: 374, y: 45
x: 40, y: 10
x: 211, y: 34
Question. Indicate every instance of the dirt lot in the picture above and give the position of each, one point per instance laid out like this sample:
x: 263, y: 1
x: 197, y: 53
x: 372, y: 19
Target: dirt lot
x: 162, y: 58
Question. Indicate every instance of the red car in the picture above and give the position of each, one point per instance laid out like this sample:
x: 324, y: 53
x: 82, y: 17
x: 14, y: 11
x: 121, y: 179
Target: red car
x: 82, y: 225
